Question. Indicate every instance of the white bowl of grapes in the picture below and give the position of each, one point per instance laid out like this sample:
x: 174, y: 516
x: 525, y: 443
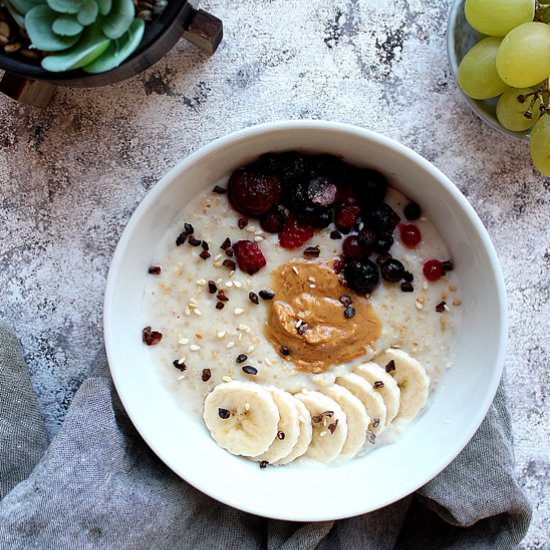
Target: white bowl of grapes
x: 499, y: 51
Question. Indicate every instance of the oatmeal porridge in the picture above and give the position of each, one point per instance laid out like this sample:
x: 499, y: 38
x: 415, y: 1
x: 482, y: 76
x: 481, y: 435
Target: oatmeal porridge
x: 302, y: 307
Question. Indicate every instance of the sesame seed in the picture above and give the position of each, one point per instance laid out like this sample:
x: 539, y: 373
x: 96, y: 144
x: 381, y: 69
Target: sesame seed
x: 237, y: 284
x: 183, y: 341
x: 258, y: 239
x: 201, y: 282
x: 418, y: 305
x: 244, y: 328
x: 457, y: 302
x: 238, y: 311
x: 323, y: 433
x: 227, y: 378
x: 228, y: 284
x: 247, y: 407
x: 217, y: 263
x: 197, y: 312
x: 268, y: 362
x: 187, y: 310
x: 230, y: 344
x: 295, y: 269
x: 251, y: 229
x: 182, y: 377
x: 425, y: 285
x: 194, y: 347
x: 311, y: 279
x: 251, y: 348
x: 221, y: 334
x: 312, y: 285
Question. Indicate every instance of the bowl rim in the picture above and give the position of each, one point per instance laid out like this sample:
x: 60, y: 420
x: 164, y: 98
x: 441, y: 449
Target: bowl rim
x: 454, y: 62
x: 313, y: 125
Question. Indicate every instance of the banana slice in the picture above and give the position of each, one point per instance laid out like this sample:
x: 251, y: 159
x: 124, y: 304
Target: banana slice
x: 384, y: 384
x: 288, y: 429
x: 330, y: 428
x: 304, y: 439
x: 372, y: 401
x: 356, y: 416
x: 411, y: 378
x: 242, y: 417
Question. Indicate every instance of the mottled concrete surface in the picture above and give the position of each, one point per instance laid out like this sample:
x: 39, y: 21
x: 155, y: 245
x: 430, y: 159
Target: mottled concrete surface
x: 71, y: 176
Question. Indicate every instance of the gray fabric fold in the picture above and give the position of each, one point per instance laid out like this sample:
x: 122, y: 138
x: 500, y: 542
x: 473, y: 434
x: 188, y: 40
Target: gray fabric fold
x: 99, y: 486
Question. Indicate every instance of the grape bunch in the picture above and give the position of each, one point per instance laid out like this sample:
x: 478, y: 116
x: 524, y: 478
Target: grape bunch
x: 512, y: 62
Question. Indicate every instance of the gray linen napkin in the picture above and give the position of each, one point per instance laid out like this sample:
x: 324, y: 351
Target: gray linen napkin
x: 98, y: 485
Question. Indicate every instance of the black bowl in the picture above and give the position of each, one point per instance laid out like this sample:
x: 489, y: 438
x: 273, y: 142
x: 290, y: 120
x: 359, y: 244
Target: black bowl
x: 179, y: 18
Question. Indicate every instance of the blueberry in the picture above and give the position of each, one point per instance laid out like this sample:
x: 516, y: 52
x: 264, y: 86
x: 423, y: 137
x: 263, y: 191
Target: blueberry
x: 323, y: 217
x: 383, y: 244
x: 412, y: 211
x: 382, y: 218
x: 392, y: 270
x: 370, y: 187
x: 296, y: 197
x: 290, y: 166
x: 361, y: 275
x: 367, y: 239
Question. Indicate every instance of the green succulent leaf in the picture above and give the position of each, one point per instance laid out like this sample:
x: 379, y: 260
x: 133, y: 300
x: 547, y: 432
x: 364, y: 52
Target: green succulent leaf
x: 18, y: 17
x: 119, y: 50
x: 65, y: 6
x: 38, y: 24
x: 23, y: 6
x: 67, y: 25
x: 88, y: 12
x: 104, y: 6
x: 91, y: 45
x: 119, y: 19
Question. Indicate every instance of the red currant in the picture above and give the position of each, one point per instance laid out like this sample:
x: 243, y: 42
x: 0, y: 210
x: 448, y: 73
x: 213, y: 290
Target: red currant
x: 410, y: 234
x: 433, y: 270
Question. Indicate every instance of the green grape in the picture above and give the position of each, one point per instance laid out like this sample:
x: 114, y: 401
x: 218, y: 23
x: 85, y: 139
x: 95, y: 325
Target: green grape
x: 477, y: 73
x: 498, y: 17
x: 523, y: 58
x: 540, y: 145
x: 511, y: 110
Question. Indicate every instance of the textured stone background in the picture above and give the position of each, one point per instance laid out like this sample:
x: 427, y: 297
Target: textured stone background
x: 71, y: 176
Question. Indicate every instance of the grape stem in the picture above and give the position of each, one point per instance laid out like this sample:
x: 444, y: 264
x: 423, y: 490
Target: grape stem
x: 542, y: 12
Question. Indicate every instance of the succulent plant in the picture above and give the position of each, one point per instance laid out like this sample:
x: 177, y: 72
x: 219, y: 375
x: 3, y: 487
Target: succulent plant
x: 95, y: 35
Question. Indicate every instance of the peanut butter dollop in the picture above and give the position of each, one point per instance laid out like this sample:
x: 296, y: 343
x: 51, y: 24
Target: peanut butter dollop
x: 307, y: 317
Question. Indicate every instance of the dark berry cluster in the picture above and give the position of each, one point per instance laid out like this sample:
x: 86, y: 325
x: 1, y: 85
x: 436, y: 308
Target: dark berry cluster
x: 293, y: 194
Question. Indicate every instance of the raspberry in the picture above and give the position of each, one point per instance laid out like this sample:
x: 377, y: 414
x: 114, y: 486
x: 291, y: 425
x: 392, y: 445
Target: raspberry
x: 345, y: 217
x: 294, y: 234
x: 249, y: 256
x: 252, y: 193
x: 345, y: 195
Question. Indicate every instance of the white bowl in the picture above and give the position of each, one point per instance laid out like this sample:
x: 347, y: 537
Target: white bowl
x: 361, y: 485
